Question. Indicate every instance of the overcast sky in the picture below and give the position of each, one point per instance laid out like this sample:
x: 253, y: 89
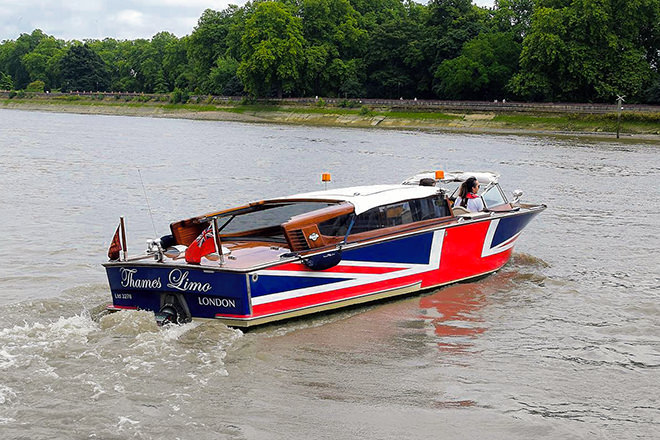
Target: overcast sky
x: 98, y: 19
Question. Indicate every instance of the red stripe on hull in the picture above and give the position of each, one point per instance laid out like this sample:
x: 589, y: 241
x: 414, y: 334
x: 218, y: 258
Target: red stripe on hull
x: 335, y: 295
x: 112, y: 306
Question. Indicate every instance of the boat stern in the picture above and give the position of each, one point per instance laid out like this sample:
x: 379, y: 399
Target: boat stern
x: 176, y: 293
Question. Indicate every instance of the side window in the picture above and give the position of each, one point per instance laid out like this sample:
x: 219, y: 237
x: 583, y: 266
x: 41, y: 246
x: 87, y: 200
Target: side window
x: 429, y: 208
x: 400, y: 213
x: 335, y: 227
x: 493, y: 197
x: 397, y: 214
x: 368, y: 221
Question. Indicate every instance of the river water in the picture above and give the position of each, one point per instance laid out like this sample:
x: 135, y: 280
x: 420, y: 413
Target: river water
x: 564, y: 342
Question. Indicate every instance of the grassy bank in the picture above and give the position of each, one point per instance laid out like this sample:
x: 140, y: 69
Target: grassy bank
x: 642, y: 125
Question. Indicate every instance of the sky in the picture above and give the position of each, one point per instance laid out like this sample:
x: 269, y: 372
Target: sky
x: 99, y: 19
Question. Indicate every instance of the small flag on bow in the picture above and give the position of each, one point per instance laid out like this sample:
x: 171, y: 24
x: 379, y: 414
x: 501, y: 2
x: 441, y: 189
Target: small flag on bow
x: 115, y: 246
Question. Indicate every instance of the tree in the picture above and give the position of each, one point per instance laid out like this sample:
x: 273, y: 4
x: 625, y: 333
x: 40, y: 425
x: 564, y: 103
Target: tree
x: 12, y: 55
x: 6, y: 83
x: 396, y: 62
x: 223, y: 79
x: 43, y: 62
x: 209, y: 42
x: 272, y: 50
x: 83, y: 69
x: 513, y: 16
x: 483, y: 69
x: 451, y: 24
x: 589, y: 50
x: 334, y: 38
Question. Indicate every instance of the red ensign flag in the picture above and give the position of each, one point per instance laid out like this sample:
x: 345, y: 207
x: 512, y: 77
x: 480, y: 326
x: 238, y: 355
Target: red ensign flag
x: 203, y: 245
x: 115, y: 246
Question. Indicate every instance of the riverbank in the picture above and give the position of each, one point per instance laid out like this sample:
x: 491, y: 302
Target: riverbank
x: 634, y: 125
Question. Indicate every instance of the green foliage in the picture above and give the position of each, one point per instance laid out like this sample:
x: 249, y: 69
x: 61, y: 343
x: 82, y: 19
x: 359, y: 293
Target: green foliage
x: 573, y: 50
x: 84, y: 70
x: 345, y: 103
x: 272, y: 50
x: 513, y: 16
x: 334, y: 40
x: 208, y: 43
x: 36, y: 86
x: 6, y: 83
x: 451, y: 24
x: 179, y: 96
x: 12, y: 53
x: 397, y: 61
x: 589, y: 50
x: 223, y: 79
x: 482, y: 70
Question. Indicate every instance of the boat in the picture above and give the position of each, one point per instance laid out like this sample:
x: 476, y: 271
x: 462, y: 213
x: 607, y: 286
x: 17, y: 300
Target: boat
x: 313, y: 252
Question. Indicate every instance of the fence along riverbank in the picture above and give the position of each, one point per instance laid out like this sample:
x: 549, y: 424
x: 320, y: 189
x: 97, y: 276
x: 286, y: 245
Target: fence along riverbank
x: 421, y: 104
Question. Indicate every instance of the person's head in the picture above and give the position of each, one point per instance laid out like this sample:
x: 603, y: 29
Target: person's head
x: 471, y: 185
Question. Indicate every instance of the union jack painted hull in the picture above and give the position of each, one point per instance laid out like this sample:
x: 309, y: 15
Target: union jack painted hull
x: 370, y: 270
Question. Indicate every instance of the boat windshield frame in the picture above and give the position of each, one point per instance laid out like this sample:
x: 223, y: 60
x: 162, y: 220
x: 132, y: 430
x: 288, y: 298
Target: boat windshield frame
x: 252, y: 228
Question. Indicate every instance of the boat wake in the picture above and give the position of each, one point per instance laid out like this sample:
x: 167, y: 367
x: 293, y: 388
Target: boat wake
x: 521, y: 259
x: 79, y: 358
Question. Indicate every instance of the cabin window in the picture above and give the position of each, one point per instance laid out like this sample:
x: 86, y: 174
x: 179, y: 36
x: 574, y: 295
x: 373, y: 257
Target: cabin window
x: 430, y: 207
x: 386, y: 216
x: 335, y: 227
x: 493, y: 197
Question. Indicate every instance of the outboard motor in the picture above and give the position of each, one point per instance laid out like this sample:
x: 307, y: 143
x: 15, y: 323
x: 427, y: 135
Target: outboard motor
x: 173, y: 310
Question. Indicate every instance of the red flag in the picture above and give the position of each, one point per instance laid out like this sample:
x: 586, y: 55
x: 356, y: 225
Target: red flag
x: 203, y: 245
x: 115, y: 246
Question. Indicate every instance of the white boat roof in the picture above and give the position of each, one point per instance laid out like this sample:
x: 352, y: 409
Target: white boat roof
x: 484, y: 177
x: 363, y: 198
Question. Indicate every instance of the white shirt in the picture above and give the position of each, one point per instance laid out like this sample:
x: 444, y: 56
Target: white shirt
x: 473, y: 205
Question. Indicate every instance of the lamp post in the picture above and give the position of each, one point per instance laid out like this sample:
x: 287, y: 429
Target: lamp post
x: 619, y: 107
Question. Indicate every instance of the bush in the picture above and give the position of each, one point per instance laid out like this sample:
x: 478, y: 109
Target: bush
x: 345, y: 103
x: 179, y: 96
x: 36, y: 86
x: 365, y: 111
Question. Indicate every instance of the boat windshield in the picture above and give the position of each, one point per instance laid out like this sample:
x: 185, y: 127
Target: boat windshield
x: 493, y: 197
x: 268, y: 215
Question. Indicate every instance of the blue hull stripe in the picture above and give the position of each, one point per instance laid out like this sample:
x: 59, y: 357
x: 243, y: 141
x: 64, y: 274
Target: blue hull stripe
x: 408, y: 250
x: 510, y: 226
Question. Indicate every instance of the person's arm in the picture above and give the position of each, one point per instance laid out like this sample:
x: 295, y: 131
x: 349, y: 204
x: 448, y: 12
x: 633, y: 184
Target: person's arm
x: 480, y: 204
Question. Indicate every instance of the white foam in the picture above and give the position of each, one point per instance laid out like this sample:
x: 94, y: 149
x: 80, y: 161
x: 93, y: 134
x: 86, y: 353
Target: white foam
x: 6, y: 395
x: 125, y: 421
